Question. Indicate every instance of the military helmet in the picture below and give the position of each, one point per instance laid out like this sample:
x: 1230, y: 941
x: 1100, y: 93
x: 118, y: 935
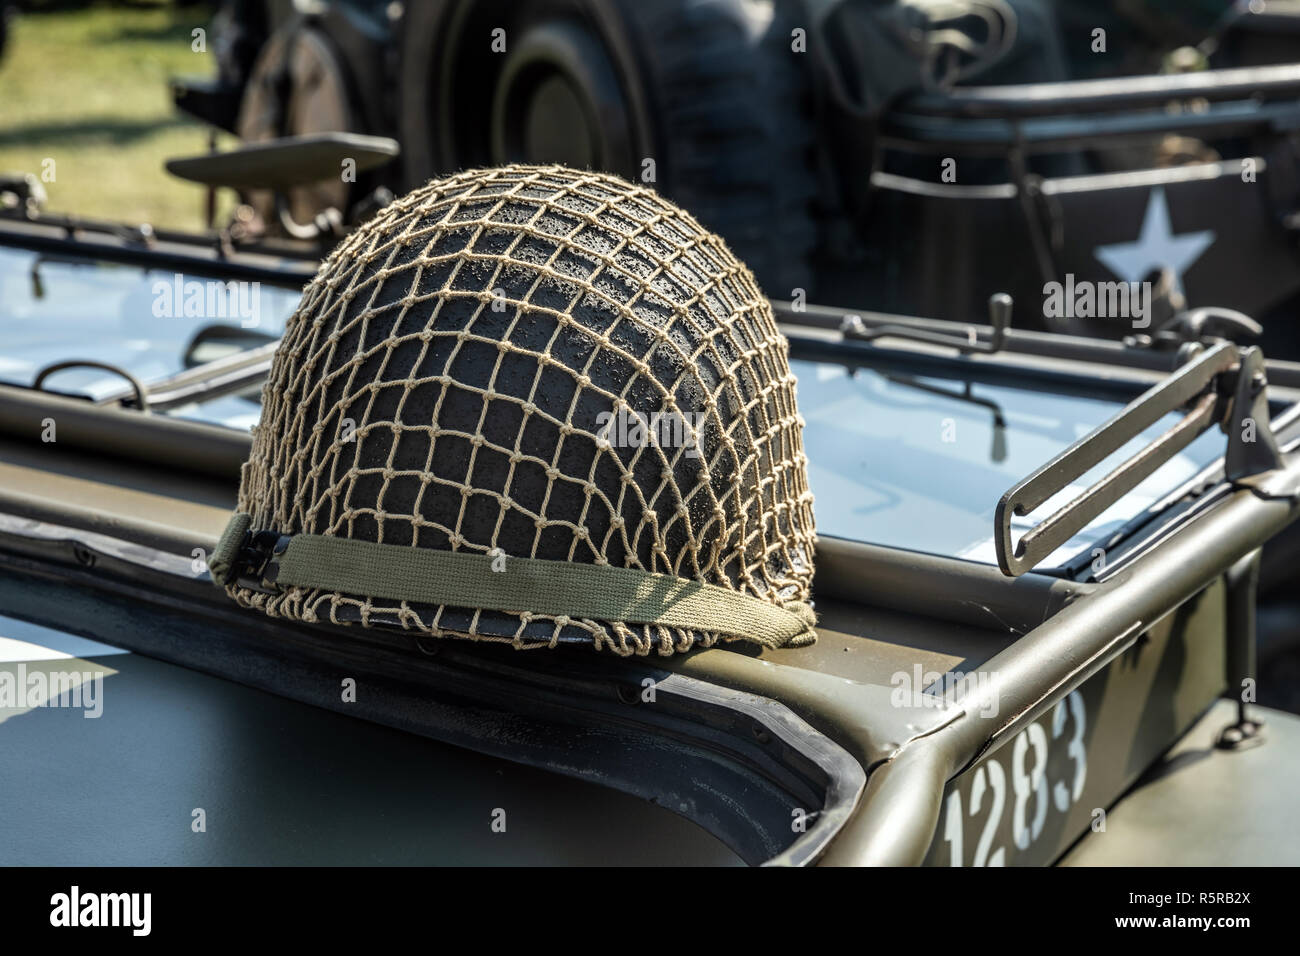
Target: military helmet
x: 533, y: 405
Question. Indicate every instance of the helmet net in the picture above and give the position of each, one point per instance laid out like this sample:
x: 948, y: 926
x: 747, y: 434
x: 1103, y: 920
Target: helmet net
x: 471, y: 371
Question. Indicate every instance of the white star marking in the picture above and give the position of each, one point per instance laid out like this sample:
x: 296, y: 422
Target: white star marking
x: 1157, y: 247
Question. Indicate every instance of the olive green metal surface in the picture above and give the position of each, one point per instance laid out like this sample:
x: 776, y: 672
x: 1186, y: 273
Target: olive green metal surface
x: 1200, y: 806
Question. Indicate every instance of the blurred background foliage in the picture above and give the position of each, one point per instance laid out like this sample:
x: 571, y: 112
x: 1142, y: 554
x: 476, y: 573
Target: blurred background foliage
x: 85, y: 84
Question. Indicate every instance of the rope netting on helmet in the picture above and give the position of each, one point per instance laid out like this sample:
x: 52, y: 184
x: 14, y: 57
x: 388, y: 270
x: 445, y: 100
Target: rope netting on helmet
x: 536, y: 362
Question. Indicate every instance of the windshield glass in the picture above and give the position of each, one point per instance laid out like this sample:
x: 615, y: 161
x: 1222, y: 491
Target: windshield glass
x: 921, y: 463
x: 145, y: 321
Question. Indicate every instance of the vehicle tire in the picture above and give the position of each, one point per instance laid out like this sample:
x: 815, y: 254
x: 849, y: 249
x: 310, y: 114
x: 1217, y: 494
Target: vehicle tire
x: 298, y: 85
x: 710, y: 91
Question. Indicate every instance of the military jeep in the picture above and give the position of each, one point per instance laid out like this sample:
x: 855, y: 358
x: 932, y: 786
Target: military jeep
x: 1037, y: 564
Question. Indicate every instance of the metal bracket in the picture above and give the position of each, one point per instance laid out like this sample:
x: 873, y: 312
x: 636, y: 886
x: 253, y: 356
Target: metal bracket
x: 1252, y: 449
x: 1204, y: 325
x: 1195, y: 384
x: 141, y: 392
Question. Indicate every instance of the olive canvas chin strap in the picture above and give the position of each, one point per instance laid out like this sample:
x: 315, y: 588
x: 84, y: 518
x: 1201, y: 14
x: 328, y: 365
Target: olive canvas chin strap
x: 268, y: 562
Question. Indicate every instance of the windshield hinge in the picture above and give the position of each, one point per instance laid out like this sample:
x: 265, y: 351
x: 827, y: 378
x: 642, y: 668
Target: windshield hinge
x: 1222, y: 384
x: 1204, y: 325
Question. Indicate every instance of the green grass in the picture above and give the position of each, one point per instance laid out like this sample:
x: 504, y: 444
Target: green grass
x: 88, y: 89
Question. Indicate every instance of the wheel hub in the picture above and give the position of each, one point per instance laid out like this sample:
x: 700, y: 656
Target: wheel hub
x: 558, y: 101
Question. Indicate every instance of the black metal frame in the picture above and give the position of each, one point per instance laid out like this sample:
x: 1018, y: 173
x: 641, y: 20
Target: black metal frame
x: 1118, y: 368
x: 1054, y: 117
x: 283, y: 263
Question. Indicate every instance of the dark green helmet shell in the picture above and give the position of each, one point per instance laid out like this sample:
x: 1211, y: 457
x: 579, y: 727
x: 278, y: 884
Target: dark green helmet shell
x: 544, y: 363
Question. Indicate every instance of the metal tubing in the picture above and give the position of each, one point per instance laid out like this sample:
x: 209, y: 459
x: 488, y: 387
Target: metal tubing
x: 900, y: 808
x: 1117, y: 93
x: 973, y: 593
x: 1108, y: 352
x: 172, y: 442
x: 1243, y: 586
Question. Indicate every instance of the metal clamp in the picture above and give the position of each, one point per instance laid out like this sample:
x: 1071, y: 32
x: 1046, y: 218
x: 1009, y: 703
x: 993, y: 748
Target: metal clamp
x: 257, y: 564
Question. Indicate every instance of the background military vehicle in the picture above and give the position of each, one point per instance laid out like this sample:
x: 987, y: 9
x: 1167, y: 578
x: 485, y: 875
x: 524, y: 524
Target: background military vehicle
x: 1106, y: 142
